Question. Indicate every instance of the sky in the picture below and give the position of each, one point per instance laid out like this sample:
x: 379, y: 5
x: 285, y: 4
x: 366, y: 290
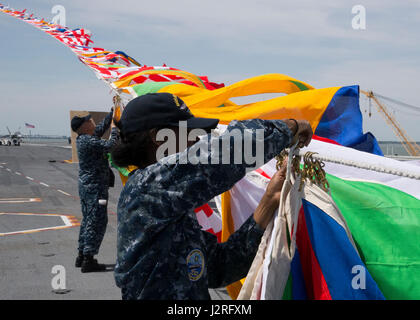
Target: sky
x: 41, y: 80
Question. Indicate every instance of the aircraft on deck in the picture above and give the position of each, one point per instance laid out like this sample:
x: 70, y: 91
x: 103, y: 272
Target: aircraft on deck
x: 11, y: 139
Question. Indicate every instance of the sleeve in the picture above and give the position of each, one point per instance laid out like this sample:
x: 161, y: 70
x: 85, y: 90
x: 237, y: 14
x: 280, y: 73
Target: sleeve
x: 230, y: 261
x: 104, y: 145
x: 214, y: 164
x: 103, y: 125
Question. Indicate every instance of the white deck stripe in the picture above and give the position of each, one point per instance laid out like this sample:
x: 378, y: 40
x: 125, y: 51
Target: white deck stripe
x: 63, y: 192
x: 66, y: 221
x: 17, y: 201
x: 33, y: 230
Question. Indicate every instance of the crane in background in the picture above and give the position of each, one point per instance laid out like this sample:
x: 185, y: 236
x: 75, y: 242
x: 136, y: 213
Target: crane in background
x: 410, y: 145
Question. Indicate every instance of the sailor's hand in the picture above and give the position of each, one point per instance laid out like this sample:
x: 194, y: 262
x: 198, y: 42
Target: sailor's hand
x: 271, y: 198
x: 304, y: 133
x: 276, y: 184
x: 112, y: 116
x: 301, y: 130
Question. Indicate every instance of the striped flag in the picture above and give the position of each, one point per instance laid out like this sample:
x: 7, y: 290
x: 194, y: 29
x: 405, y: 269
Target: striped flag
x: 28, y: 125
x: 381, y: 215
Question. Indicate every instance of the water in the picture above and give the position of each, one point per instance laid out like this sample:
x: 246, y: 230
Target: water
x: 54, y: 141
x: 393, y: 148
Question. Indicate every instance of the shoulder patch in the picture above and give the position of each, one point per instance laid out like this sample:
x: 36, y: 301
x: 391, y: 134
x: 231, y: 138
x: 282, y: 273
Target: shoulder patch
x: 195, y: 264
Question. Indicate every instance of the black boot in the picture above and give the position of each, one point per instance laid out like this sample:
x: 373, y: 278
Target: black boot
x: 79, y: 260
x: 91, y: 265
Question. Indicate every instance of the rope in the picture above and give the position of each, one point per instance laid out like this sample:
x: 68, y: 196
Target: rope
x: 361, y: 165
x: 290, y: 157
x: 311, y: 171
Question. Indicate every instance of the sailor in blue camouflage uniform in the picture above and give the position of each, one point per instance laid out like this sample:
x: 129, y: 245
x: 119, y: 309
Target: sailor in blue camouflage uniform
x: 95, y: 178
x: 162, y: 251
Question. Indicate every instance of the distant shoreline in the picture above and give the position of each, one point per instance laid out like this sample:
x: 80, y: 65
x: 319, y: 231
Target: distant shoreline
x: 389, y: 147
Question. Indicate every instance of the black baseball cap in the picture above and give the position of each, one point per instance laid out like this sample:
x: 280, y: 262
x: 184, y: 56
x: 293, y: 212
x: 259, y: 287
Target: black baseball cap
x: 157, y: 110
x: 76, y: 122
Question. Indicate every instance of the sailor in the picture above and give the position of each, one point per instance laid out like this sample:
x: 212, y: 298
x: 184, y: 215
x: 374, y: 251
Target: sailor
x: 95, y: 177
x: 162, y: 253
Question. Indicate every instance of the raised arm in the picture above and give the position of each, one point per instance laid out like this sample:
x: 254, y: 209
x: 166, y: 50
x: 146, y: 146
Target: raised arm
x: 203, y: 171
x: 104, y: 145
x: 104, y: 124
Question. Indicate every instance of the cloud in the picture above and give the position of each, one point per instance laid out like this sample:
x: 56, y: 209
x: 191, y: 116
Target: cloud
x: 226, y: 40
x: 242, y: 19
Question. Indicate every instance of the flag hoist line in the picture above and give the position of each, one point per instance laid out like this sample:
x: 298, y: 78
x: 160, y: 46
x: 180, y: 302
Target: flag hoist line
x: 313, y: 157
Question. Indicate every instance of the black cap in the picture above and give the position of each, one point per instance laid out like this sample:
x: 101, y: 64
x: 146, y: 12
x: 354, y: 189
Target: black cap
x: 157, y: 110
x: 76, y: 122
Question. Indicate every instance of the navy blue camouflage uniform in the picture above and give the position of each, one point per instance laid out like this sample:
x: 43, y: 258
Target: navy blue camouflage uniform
x: 162, y: 253
x: 93, y: 183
